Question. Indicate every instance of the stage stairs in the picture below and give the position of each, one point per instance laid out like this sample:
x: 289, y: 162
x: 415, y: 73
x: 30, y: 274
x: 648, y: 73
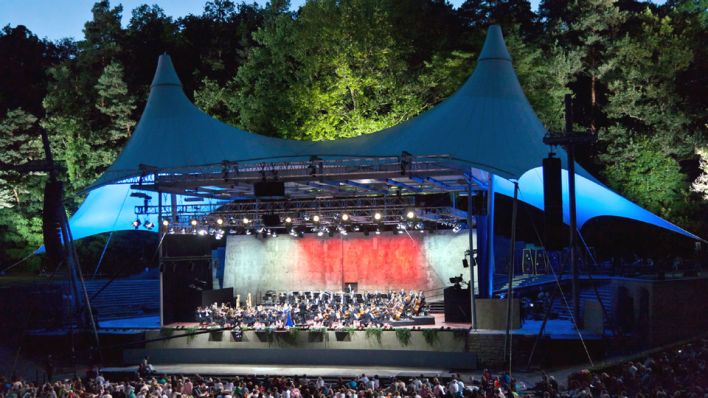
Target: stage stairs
x: 124, y: 298
x: 604, y: 290
x: 437, y: 307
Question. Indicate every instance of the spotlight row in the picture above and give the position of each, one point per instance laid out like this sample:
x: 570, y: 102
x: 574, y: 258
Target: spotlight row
x: 376, y: 217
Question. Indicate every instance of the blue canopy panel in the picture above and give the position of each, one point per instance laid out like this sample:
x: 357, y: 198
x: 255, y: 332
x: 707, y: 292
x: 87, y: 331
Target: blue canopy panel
x: 487, y: 124
x: 111, y: 208
x: 592, y: 200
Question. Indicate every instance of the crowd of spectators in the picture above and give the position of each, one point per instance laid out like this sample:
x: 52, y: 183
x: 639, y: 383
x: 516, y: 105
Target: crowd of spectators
x: 96, y: 386
x: 677, y: 372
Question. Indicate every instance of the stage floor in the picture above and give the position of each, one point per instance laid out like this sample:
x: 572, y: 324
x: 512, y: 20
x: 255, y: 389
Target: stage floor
x: 555, y: 328
x: 439, y: 322
x: 284, y: 370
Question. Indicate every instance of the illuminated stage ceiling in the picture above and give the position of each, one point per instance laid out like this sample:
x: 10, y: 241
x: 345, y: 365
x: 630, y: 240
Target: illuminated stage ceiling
x: 486, y: 131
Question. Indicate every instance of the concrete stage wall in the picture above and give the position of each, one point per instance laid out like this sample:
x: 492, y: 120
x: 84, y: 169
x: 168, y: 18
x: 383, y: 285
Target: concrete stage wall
x: 446, y: 350
x: 661, y: 311
x: 375, y: 262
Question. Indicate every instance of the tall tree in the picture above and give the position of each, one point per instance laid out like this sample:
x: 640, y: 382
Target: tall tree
x: 117, y: 106
x: 20, y: 193
x: 586, y: 27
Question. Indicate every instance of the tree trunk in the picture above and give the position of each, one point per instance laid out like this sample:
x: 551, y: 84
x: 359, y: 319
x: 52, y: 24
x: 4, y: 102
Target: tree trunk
x: 593, y: 102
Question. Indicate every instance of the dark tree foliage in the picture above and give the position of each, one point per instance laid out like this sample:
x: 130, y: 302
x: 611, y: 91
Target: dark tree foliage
x: 340, y: 68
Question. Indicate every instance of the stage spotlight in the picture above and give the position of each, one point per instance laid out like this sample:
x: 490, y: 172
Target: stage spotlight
x: 194, y: 223
x: 165, y: 222
x: 345, y: 217
x: 410, y: 214
x: 148, y: 224
x: 288, y: 220
x: 246, y: 220
x: 316, y: 218
x: 219, y: 221
x: 377, y: 216
x: 136, y: 223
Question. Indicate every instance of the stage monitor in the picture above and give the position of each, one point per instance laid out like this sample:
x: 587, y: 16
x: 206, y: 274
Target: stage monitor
x: 269, y: 188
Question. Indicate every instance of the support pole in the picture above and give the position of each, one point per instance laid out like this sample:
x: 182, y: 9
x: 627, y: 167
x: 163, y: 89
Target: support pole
x: 510, y: 280
x: 491, y: 264
x: 473, y: 304
x: 570, y: 140
x: 573, y: 226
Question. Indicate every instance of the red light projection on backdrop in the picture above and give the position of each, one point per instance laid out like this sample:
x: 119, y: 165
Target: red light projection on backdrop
x: 380, y: 262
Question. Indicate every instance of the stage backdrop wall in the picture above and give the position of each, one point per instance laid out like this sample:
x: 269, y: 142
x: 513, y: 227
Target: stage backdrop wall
x: 375, y: 262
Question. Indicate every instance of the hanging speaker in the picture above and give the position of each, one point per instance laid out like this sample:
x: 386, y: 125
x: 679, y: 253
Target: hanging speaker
x: 552, y: 202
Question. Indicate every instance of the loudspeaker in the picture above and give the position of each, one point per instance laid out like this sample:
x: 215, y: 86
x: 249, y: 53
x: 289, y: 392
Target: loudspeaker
x: 552, y: 203
x: 433, y: 200
x: 186, y: 246
x: 269, y: 188
x: 51, y: 222
x: 271, y: 220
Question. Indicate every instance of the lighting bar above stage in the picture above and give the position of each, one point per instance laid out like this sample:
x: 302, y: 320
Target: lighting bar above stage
x: 316, y: 177
x: 368, y: 210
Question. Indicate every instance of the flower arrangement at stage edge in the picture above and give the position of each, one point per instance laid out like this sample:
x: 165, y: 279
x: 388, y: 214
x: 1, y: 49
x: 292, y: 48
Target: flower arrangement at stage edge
x: 403, y: 336
x: 431, y: 336
x: 374, y: 332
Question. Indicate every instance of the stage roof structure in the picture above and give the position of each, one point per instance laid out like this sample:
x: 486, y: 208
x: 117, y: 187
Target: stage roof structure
x: 485, y: 133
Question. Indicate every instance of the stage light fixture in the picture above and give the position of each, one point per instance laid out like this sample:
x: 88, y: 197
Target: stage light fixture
x: 345, y: 217
x: 165, y: 222
x: 246, y: 220
x: 288, y: 220
x: 377, y: 216
x: 219, y: 221
x: 136, y: 223
x: 316, y: 218
x: 194, y: 223
x: 202, y: 232
x: 410, y: 214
